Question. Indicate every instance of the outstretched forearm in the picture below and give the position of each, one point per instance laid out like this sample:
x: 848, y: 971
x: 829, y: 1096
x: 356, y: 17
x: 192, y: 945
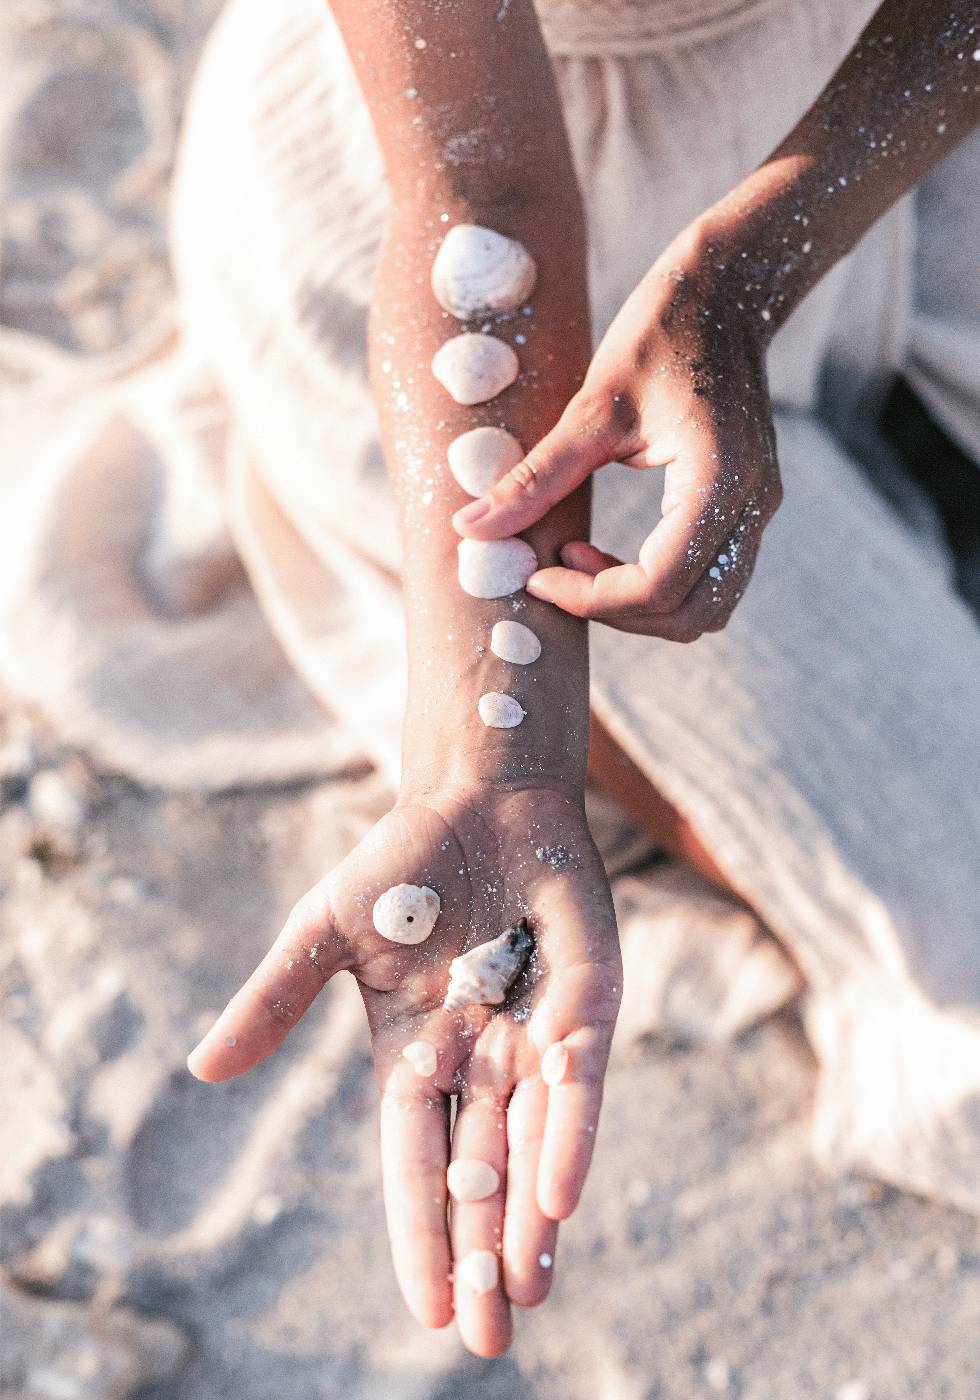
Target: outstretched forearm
x: 470, y: 127
x: 905, y: 95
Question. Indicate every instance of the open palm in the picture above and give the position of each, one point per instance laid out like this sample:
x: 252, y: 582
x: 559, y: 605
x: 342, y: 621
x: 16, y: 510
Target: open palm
x: 491, y: 856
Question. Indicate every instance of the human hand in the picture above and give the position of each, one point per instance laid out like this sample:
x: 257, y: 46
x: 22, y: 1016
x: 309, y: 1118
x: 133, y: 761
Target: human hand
x: 479, y: 852
x: 678, y: 382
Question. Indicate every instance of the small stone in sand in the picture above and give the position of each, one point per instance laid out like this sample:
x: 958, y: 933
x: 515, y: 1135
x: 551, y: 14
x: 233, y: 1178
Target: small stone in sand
x: 495, y: 568
x: 554, y: 1063
x: 499, y: 711
x: 469, y: 1179
x: 422, y: 1057
x: 479, y: 1271
x: 514, y: 642
x: 482, y: 457
x: 406, y: 913
x: 474, y: 368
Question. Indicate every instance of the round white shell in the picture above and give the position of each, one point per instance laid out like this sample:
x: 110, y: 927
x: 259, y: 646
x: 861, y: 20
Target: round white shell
x: 499, y: 711
x: 495, y: 568
x: 422, y: 1057
x: 406, y: 913
x: 482, y: 457
x: 479, y: 1271
x: 473, y: 368
x: 469, y: 1179
x: 477, y: 270
x: 514, y: 642
x: 554, y: 1063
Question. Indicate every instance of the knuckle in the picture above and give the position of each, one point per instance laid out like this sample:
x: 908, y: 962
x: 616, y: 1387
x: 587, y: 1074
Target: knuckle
x: 610, y: 416
x: 526, y: 478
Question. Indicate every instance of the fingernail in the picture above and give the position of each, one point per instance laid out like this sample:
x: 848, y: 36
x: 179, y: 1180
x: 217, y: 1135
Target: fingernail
x: 469, y: 515
x: 565, y: 557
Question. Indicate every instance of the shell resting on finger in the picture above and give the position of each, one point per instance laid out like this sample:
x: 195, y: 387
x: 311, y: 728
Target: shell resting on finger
x: 484, y: 975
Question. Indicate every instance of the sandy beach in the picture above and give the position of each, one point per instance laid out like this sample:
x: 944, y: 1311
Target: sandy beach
x: 164, y: 1239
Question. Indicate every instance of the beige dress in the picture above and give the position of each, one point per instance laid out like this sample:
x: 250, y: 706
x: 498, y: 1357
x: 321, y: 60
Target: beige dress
x: 210, y: 567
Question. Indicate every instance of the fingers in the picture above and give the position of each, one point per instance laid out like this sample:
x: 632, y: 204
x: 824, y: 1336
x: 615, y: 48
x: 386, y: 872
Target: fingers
x: 625, y: 595
x: 479, y: 1170
x: 572, y: 1119
x: 414, y: 1155
x: 307, y: 953
x: 586, y: 437
x: 530, y: 1238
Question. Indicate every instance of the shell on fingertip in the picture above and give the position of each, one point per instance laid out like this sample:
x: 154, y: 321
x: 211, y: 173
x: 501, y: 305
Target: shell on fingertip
x: 494, y: 568
x: 469, y: 1179
x: 478, y: 270
x: 474, y: 368
x: 480, y: 458
x: 422, y: 1057
x: 479, y: 1271
x: 406, y: 913
x: 554, y: 1063
x: 484, y: 975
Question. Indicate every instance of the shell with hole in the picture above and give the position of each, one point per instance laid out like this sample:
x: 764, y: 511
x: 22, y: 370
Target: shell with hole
x: 484, y: 975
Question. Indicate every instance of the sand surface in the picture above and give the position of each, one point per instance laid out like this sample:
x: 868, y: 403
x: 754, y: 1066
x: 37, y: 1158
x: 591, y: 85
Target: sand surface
x: 167, y: 1240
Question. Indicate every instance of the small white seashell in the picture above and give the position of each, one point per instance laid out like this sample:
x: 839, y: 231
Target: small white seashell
x: 499, y: 711
x: 482, y: 457
x: 469, y: 1179
x: 514, y: 642
x: 474, y: 368
x: 406, y: 913
x: 479, y: 1271
x: 422, y: 1057
x: 495, y: 568
x: 554, y: 1063
x: 484, y: 975
x: 477, y: 270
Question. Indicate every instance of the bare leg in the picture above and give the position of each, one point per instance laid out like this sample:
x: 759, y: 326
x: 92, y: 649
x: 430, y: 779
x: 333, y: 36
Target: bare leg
x: 616, y: 772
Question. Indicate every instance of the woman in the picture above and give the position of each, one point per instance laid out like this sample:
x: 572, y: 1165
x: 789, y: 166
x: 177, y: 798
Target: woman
x: 818, y: 756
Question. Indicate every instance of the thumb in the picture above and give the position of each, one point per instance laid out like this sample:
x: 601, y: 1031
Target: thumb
x: 259, y: 1017
x: 579, y: 443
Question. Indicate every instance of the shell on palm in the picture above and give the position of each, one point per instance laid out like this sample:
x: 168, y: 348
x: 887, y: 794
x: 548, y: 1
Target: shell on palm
x: 484, y: 975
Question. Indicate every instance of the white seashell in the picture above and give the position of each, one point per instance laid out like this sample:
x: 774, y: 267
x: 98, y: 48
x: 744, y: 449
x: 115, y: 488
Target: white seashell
x: 499, y: 711
x: 482, y: 457
x: 514, y: 642
x: 469, y: 1179
x: 479, y: 1271
x: 484, y: 975
x: 495, y: 568
x: 477, y: 270
x: 554, y: 1063
x: 422, y: 1057
x: 474, y: 368
x: 406, y: 913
